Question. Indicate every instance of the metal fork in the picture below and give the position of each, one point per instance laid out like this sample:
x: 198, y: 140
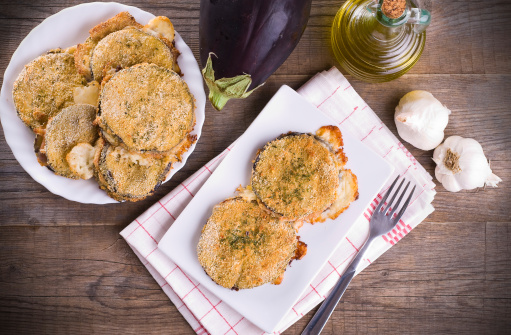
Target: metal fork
x: 382, y: 222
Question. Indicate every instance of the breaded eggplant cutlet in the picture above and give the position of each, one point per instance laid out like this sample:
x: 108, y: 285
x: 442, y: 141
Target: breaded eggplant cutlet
x: 73, y: 126
x: 243, y: 246
x: 128, y: 47
x: 128, y: 176
x: 84, y: 50
x: 295, y: 175
x: 146, y: 108
x: 108, y: 50
x: 300, y: 176
x: 44, y: 87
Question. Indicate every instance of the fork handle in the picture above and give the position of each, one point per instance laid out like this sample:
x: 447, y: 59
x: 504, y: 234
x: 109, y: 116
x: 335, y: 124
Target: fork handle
x: 319, y: 319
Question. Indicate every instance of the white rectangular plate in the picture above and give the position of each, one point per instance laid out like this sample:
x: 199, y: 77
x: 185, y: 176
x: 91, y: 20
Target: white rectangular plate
x: 266, y: 306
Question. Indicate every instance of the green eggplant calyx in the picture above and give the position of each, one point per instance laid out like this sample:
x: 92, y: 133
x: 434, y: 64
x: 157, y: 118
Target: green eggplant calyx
x: 221, y: 90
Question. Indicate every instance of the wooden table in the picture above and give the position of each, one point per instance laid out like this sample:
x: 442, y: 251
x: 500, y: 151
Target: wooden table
x: 64, y: 268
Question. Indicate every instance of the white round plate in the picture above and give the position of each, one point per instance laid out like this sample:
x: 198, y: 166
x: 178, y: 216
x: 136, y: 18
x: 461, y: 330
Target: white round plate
x: 64, y: 29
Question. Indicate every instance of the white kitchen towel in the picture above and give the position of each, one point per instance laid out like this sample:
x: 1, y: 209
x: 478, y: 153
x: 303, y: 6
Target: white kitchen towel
x: 332, y: 93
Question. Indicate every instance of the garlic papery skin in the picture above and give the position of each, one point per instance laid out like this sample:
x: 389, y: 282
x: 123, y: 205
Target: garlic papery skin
x: 462, y: 165
x: 421, y: 119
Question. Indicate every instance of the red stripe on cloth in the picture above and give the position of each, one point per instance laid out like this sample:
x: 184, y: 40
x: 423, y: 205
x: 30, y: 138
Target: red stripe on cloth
x: 396, y: 239
x: 149, y: 254
x: 369, y: 261
x: 220, y: 156
x: 367, y: 217
x: 202, y: 317
x: 385, y: 238
x: 170, y: 272
x: 352, y: 243
x: 400, y: 235
x: 208, y: 169
x: 127, y: 237
x: 391, y: 242
x: 146, y: 231
x: 183, y: 298
x: 193, y: 315
x: 417, y: 196
x: 408, y: 226
x: 198, y: 289
x: 162, y: 206
x: 198, y: 175
x: 219, y: 313
x: 347, y: 87
x: 175, y: 195
x: 328, y: 275
x: 305, y: 296
x: 409, y: 166
x: 234, y: 325
x: 407, y: 153
x: 187, y: 188
x: 316, y: 291
x: 334, y: 268
x: 328, y: 97
x: 365, y: 107
x: 347, y: 117
x: 294, y: 310
x: 238, y: 321
x: 166, y: 210
x: 368, y: 133
x: 388, y: 152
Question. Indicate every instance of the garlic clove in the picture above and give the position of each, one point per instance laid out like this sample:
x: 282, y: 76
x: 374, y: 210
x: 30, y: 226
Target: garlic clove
x: 450, y: 184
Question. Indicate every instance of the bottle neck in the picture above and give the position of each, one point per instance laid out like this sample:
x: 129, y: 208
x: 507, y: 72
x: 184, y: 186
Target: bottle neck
x: 418, y: 18
x: 392, y: 13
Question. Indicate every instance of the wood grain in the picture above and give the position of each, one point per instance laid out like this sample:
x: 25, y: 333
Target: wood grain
x: 64, y: 268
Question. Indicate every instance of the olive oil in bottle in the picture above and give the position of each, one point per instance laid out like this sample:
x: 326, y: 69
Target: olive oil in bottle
x: 379, y: 41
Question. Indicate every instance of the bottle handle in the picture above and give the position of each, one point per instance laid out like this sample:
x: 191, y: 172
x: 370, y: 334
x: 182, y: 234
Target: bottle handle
x: 420, y: 19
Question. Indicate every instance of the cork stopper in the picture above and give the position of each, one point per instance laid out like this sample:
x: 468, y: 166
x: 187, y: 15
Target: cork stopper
x: 393, y: 9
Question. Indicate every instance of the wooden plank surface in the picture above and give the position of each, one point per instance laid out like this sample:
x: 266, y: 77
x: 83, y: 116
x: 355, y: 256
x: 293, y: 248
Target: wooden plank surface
x: 64, y: 268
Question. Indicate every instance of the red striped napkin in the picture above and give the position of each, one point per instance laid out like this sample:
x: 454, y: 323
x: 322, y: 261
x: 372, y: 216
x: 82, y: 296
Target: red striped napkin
x: 332, y: 93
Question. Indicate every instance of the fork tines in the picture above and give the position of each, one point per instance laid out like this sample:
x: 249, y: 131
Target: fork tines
x: 390, y: 207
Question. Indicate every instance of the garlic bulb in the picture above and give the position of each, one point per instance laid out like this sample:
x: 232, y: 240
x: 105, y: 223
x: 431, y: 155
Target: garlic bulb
x: 462, y: 165
x: 421, y: 119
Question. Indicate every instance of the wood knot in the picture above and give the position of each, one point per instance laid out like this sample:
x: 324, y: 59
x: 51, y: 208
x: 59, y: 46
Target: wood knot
x: 393, y: 9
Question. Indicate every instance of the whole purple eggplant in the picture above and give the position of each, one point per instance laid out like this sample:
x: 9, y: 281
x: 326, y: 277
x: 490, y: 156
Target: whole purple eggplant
x: 242, y: 42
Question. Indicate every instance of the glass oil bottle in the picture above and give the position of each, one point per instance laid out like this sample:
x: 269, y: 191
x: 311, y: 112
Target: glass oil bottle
x: 378, y: 41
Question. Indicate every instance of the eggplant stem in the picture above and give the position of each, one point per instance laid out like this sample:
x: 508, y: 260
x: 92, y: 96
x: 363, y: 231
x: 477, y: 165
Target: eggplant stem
x: 223, y: 89
x: 217, y: 99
